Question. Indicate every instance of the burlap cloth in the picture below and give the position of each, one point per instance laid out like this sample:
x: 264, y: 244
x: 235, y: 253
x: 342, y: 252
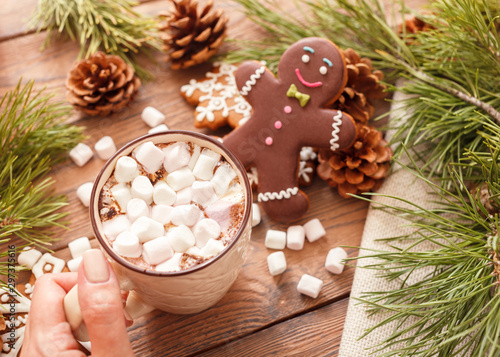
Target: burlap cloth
x: 401, y: 183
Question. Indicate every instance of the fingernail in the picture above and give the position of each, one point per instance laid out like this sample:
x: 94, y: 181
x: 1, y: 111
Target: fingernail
x: 128, y: 319
x: 95, y: 266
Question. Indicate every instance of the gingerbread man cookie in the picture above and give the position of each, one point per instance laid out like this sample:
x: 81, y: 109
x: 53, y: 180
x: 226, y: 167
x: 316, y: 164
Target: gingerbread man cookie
x: 288, y: 114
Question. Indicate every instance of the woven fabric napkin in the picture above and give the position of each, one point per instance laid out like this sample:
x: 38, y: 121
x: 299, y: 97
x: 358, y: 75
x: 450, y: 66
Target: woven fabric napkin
x: 401, y: 183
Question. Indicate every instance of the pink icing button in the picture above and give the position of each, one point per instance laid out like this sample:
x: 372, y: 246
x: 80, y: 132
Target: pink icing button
x: 269, y: 141
x: 287, y: 109
x: 278, y: 124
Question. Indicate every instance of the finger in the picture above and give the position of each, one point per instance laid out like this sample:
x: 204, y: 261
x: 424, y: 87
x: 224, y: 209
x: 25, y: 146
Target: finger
x: 102, y: 309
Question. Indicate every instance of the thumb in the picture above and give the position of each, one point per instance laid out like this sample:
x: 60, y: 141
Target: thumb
x: 102, y: 308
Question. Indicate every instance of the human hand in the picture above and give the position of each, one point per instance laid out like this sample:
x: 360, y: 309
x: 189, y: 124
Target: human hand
x: 49, y: 334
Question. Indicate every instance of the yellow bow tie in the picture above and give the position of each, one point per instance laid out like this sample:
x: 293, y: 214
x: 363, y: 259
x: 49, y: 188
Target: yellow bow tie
x: 294, y: 93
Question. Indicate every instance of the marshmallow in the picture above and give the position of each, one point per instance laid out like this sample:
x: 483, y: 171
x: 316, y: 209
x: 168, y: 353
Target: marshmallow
x: 146, y: 229
x: 275, y: 239
x: 84, y: 192
x: 220, y: 211
x: 161, y: 213
x: 186, y: 215
x: 204, y: 230
x: 176, y: 156
x: 74, y: 264
x: 156, y: 251
x: 194, y: 251
x: 256, y: 218
x: 127, y: 244
x: 111, y: 228
x: 203, y: 193
x: 149, y: 156
x: 28, y: 258
x: 180, y: 238
x: 163, y: 194
x: 122, y: 195
x: 334, y: 260
x: 184, y: 197
x: 204, y: 167
x: 105, y: 147
x: 137, y: 208
x: 194, y: 156
x: 314, y: 230
x: 142, y: 188
x: 158, y: 129
x: 212, y: 248
x: 79, y: 246
x: 222, y: 178
x: 152, y: 116
x: 180, y: 179
x: 172, y: 264
x: 135, y: 306
x: 126, y: 169
x: 81, y: 154
x: 310, y: 286
x: 276, y: 262
x: 295, y: 236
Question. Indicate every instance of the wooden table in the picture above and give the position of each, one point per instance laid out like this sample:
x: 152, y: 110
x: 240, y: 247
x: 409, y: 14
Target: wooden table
x: 260, y: 315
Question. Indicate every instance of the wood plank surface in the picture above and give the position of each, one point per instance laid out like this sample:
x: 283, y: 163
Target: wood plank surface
x: 261, y: 315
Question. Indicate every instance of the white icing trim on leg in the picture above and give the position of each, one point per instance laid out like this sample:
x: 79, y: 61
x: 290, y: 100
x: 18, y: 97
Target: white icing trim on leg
x: 270, y: 196
x: 337, y: 121
x: 253, y: 79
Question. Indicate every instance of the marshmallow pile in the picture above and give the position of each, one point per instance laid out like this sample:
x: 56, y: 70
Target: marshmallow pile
x: 190, y: 210
x: 294, y: 239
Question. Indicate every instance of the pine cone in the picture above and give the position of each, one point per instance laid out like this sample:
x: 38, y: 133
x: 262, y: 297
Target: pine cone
x: 361, y: 168
x: 363, y: 86
x: 102, y: 84
x: 414, y: 25
x: 485, y: 198
x: 190, y: 36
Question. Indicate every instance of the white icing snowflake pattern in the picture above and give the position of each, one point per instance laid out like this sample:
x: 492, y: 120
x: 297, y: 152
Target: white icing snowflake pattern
x: 305, y: 171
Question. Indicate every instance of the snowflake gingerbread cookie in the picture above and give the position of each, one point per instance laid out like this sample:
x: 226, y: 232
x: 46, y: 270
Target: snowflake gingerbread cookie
x: 217, y: 99
x: 288, y: 114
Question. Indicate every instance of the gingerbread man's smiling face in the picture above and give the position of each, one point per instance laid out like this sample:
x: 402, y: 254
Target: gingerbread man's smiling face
x: 316, y: 67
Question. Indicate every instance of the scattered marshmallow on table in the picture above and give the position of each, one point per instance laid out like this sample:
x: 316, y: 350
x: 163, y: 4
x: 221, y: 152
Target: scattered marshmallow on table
x: 295, y: 236
x: 122, y: 195
x: 79, y: 246
x: 256, y: 217
x: 105, y: 147
x: 128, y: 245
x: 152, y: 116
x: 137, y: 208
x: 81, y: 154
x: 275, y: 239
x: 309, y: 285
x: 147, y: 229
x: 126, y: 169
x: 83, y: 192
x: 334, y: 260
x: 158, y: 129
x: 156, y: 251
x: 180, y: 179
x: 149, y: 156
x: 314, y: 230
x: 142, y: 188
x: 276, y: 262
x: 163, y: 194
x: 74, y: 264
x: 28, y: 258
x: 180, y: 238
x: 205, y: 230
x: 112, y: 227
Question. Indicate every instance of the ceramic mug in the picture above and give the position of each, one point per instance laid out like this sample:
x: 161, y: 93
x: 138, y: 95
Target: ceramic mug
x: 201, y: 286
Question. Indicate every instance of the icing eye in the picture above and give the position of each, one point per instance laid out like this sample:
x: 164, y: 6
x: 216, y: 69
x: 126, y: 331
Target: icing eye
x: 305, y: 58
x: 323, y: 70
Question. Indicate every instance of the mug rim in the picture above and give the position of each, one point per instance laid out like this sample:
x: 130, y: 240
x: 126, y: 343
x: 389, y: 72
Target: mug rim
x: 126, y: 264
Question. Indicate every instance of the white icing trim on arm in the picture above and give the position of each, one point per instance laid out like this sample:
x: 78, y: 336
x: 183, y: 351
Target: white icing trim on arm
x: 337, y: 121
x: 253, y: 79
x: 270, y: 196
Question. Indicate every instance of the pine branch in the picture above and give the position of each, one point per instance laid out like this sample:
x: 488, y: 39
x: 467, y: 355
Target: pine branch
x: 110, y: 25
